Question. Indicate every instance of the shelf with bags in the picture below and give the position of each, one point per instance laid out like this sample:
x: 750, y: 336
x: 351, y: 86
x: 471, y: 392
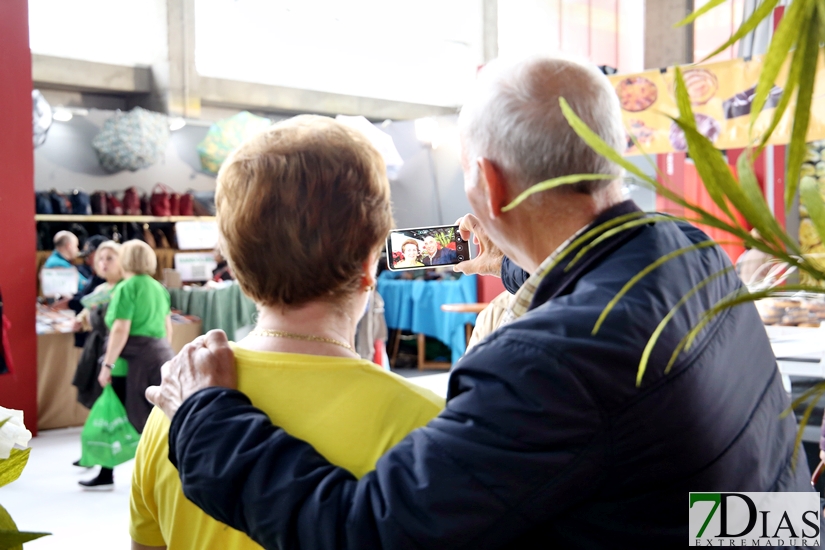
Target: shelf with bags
x: 118, y: 218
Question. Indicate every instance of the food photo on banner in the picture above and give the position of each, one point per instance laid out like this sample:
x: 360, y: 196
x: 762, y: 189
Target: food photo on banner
x: 721, y: 95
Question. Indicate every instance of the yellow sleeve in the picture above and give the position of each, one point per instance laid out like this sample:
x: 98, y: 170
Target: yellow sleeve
x: 144, y: 525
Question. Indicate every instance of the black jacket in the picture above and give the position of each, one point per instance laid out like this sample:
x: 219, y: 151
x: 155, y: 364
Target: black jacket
x: 546, y: 440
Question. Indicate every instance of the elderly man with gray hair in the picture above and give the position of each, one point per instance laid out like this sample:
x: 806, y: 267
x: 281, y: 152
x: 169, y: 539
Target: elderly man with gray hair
x: 547, y: 439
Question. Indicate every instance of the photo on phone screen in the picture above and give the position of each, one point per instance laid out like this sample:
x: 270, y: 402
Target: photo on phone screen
x: 426, y: 247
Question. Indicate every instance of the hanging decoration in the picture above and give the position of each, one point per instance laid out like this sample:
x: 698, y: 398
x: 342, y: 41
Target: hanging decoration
x: 381, y: 140
x: 132, y: 140
x: 41, y: 118
x: 225, y: 135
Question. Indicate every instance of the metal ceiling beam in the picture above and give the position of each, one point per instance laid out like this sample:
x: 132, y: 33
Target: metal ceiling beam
x: 88, y: 76
x: 232, y: 93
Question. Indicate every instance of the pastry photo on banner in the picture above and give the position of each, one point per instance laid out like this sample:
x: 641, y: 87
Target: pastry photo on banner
x: 721, y: 95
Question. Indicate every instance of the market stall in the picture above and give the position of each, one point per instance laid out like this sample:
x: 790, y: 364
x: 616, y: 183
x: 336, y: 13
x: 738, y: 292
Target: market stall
x: 57, y: 357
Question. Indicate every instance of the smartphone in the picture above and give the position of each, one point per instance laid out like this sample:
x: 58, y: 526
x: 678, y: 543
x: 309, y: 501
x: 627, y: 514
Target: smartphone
x: 426, y: 247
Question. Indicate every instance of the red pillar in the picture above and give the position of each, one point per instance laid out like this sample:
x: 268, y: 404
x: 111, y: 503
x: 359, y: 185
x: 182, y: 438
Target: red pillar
x: 17, y: 230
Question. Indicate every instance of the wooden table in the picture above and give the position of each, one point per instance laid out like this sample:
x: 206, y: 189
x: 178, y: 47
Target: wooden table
x: 57, y: 357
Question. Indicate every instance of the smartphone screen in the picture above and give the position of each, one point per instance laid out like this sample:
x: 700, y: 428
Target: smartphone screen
x: 426, y: 247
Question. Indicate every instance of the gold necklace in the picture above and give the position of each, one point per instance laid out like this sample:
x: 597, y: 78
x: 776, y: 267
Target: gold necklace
x: 306, y: 337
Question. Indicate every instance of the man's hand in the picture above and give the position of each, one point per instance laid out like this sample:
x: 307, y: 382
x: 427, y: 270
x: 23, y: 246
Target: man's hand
x: 205, y: 362
x: 488, y: 261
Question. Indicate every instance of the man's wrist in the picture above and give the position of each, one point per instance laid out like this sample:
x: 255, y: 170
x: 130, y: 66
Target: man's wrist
x: 109, y: 366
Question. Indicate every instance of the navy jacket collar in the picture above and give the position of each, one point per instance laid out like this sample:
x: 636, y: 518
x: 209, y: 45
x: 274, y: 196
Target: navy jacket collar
x: 560, y: 282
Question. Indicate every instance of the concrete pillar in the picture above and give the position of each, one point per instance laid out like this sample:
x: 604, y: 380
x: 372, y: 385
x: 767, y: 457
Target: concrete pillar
x: 175, y: 78
x: 489, y: 29
x: 665, y: 45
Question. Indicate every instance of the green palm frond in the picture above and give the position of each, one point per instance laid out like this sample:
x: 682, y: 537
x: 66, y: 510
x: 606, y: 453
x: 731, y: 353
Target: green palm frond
x: 783, y: 39
x: 651, y: 342
x: 698, y: 13
x: 802, y: 113
x: 811, y: 197
x: 764, y: 10
x: 552, y: 184
x: 640, y: 275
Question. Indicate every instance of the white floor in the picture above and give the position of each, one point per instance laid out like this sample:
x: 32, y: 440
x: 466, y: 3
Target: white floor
x: 47, y: 498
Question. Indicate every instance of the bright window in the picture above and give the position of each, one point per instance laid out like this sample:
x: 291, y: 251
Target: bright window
x: 421, y: 51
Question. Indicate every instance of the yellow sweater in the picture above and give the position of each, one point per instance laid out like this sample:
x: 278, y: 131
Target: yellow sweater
x: 350, y: 410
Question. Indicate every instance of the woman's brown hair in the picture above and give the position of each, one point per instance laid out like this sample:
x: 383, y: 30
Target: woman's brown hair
x: 300, y: 208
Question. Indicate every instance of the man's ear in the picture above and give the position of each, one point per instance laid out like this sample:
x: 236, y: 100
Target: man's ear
x: 497, y: 195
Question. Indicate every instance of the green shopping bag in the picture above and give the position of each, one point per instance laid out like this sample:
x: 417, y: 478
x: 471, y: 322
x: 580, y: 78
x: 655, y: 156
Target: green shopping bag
x: 108, y: 439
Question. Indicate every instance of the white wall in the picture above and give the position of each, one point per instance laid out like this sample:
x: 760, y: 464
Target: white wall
x: 67, y: 160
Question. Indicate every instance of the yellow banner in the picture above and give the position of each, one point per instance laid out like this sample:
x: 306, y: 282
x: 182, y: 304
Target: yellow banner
x: 721, y: 95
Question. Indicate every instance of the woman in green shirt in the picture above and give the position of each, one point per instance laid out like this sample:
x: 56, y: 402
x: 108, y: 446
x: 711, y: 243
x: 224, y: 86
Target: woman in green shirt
x: 140, y: 331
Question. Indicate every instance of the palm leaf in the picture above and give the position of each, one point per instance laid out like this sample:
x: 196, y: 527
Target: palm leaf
x: 637, y: 277
x: 783, y: 38
x: 791, y: 85
x: 806, y: 416
x: 12, y: 467
x: 715, y: 164
x: 10, y: 537
x: 12, y: 540
x: 759, y: 215
x: 552, y: 184
x: 698, y: 13
x: 807, y: 394
x: 763, y: 11
x: 802, y: 112
x: 738, y: 297
x: 606, y: 234
x: 589, y: 234
x: 598, y: 144
x: 670, y: 314
x: 812, y: 199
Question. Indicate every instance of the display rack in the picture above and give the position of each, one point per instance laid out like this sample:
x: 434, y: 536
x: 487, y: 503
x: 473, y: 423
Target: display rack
x: 119, y: 219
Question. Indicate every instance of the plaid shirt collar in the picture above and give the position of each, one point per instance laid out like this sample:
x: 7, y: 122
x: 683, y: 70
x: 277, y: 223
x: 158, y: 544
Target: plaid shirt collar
x: 524, y: 297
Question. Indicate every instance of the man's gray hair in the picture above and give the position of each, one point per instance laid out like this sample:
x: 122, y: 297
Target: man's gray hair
x: 514, y: 119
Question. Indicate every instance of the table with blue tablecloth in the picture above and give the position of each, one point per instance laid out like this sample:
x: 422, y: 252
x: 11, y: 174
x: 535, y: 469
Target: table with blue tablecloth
x: 415, y: 305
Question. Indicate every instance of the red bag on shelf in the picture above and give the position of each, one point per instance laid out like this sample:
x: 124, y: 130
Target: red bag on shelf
x: 174, y: 204
x: 145, y: 205
x: 113, y: 205
x: 160, y: 201
x: 187, y: 205
x: 131, y: 202
x: 99, y: 206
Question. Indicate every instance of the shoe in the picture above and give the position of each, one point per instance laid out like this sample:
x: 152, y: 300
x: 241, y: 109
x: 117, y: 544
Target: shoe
x: 97, y: 484
x: 79, y: 465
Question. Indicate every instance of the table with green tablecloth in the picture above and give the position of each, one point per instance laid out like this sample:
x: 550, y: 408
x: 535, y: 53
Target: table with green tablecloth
x: 226, y: 308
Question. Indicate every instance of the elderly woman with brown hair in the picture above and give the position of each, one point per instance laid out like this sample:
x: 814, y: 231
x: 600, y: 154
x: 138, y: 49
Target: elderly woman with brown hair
x: 140, y: 330
x: 303, y: 210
